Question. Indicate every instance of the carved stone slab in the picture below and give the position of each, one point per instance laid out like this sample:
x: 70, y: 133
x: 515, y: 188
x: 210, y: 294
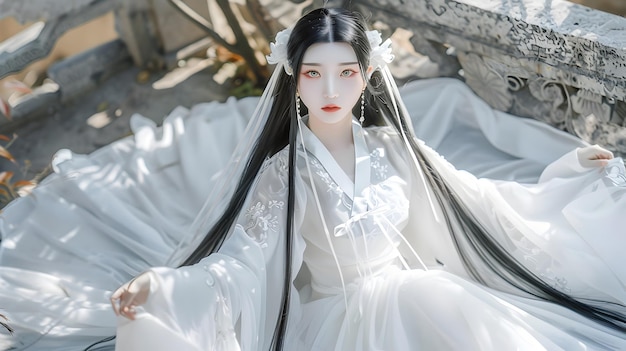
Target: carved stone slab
x: 37, y: 41
x: 554, y: 61
x: 175, y: 30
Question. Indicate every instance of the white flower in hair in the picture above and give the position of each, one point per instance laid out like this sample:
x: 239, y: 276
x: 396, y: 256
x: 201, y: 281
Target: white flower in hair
x: 381, y: 51
x: 278, y: 50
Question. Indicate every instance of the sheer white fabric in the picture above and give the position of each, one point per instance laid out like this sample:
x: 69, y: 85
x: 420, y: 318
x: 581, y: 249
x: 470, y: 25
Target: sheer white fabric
x: 105, y: 217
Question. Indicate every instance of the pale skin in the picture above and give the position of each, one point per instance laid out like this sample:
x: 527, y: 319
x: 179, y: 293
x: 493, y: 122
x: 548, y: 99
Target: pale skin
x: 593, y: 156
x: 131, y: 294
x: 330, y: 85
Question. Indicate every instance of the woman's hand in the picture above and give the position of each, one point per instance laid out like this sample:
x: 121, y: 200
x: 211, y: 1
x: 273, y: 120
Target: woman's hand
x: 593, y: 156
x: 130, y: 295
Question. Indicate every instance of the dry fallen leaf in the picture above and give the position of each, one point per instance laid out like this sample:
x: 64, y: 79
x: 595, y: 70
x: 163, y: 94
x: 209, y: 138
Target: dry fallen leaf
x: 18, y: 86
x: 6, y: 176
x: 143, y: 77
x: 23, y: 183
x: 5, y: 109
x: 6, y: 154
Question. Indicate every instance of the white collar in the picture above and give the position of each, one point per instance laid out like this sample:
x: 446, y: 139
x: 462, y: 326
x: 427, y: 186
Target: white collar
x: 362, y: 167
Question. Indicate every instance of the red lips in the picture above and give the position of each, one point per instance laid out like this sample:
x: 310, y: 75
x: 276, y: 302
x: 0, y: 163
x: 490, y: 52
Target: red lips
x: 331, y: 108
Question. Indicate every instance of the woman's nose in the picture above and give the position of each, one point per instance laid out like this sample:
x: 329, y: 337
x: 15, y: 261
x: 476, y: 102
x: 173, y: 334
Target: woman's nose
x: 329, y: 89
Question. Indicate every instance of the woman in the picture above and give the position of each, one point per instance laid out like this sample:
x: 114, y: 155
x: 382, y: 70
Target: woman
x: 346, y: 233
x: 104, y: 218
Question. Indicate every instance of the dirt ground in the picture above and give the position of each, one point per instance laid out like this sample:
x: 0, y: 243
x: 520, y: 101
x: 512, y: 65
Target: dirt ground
x: 87, y: 124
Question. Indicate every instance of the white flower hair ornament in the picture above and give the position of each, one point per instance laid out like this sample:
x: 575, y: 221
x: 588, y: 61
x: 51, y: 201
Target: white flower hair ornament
x: 278, y: 51
x: 381, y: 54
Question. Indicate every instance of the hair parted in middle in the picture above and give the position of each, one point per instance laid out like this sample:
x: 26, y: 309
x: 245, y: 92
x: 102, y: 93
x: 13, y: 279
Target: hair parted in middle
x: 325, y: 25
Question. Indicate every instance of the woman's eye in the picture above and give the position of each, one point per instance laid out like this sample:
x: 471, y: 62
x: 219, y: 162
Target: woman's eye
x: 347, y: 73
x: 312, y: 74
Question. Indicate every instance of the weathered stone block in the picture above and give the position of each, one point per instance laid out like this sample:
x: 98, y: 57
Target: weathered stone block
x: 37, y: 41
x: 174, y: 29
x: 84, y: 72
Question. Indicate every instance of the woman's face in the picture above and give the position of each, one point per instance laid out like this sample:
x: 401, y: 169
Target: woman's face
x: 330, y: 81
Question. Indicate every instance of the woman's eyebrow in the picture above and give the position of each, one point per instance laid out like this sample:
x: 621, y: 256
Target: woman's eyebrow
x: 319, y: 64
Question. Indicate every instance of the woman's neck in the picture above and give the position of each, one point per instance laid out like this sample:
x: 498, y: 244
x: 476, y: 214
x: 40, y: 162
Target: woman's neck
x: 336, y: 136
x: 339, y: 141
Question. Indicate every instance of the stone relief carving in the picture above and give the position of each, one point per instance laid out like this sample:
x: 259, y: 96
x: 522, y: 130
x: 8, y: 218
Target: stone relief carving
x: 591, y: 116
x: 486, y: 82
x: 565, y: 67
x: 586, y: 103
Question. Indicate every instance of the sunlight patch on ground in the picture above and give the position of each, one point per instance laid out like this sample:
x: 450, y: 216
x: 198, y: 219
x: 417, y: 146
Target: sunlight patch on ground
x: 99, y: 120
x: 228, y: 70
x: 180, y: 74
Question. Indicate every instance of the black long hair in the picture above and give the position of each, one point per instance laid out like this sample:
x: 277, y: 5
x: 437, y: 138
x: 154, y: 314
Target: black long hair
x: 325, y: 25
x: 470, y: 237
x: 318, y: 26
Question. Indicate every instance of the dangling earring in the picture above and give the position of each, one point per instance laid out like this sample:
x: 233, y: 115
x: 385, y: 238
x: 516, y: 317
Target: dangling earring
x: 362, y: 118
x: 298, y: 106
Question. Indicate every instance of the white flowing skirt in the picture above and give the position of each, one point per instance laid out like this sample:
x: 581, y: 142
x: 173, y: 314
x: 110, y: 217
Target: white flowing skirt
x: 436, y: 310
x: 396, y: 310
x: 103, y: 218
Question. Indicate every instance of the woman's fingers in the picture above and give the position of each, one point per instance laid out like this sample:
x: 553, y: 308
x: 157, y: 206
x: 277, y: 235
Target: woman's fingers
x: 594, y: 156
x: 127, y: 306
x: 122, y: 302
x: 116, y: 297
x: 130, y: 295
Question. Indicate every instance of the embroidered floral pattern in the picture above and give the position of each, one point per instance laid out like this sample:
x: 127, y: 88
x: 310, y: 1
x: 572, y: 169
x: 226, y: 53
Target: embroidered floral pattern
x: 325, y: 177
x: 616, y: 174
x: 537, y: 260
x: 280, y: 158
x: 261, y: 220
x: 265, y: 165
x: 210, y: 281
x: 282, y: 161
x: 380, y: 170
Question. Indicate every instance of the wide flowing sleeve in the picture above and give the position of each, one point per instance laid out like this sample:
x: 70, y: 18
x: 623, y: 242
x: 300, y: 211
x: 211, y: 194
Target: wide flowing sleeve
x: 565, y: 230
x: 230, y: 299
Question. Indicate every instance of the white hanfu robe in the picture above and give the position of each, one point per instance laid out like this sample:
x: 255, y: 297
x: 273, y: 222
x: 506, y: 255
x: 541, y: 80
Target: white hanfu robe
x: 105, y: 217
x: 358, y: 294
